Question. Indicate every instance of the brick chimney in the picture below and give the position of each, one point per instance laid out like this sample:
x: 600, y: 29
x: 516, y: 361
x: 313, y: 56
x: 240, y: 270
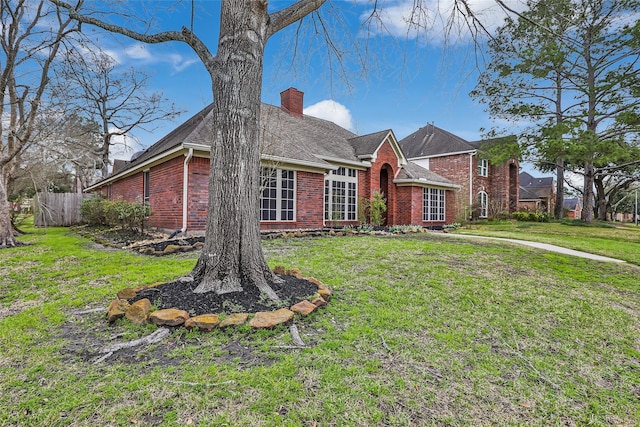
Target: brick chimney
x: 291, y: 101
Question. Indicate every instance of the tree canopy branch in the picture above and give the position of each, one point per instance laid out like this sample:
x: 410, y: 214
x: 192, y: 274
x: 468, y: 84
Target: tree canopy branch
x: 287, y: 16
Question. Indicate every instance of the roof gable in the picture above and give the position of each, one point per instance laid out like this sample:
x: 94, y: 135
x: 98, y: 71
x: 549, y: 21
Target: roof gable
x: 431, y: 141
x: 529, y: 181
x: 366, y: 147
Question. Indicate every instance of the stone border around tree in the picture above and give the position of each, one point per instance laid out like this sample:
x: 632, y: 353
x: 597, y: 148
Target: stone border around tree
x: 141, y: 313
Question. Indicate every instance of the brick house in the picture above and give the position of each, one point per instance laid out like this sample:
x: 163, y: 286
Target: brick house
x: 572, y: 207
x: 536, y: 194
x: 487, y: 189
x: 314, y: 174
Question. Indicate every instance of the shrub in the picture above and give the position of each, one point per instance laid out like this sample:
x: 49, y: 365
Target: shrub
x: 377, y: 207
x: 115, y: 213
x: 92, y: 211
x: 531, y: 216
x: 370, y: 211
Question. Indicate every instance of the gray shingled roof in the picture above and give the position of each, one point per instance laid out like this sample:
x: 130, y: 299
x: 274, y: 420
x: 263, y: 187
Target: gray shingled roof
x: 366, y: 145
x: 572, y: 203
x: 416, y: 173
x: 535, y: 188
x: 431, y: 141
x: 306, y: 139
x: 173, y: 139
x: 303, y: 139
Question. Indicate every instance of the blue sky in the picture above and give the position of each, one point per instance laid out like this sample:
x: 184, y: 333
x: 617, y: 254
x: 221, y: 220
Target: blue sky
x: 407, y: 81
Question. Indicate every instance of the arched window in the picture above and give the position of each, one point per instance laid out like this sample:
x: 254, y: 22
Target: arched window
x: 483, y: 204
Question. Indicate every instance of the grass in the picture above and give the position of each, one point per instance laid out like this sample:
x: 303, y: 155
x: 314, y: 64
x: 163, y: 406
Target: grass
x: 621, y: 241
x: 422, y: 330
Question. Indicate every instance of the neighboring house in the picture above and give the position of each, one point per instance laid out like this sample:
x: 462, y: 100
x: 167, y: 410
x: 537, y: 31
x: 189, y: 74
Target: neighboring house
x: 487, y: 189
x: 314, y: 174
x: 572, y: 207
x: 537, y: 194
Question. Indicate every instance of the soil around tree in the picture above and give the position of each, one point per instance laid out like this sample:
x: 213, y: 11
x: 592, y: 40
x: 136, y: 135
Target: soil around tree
x: 180, y: 295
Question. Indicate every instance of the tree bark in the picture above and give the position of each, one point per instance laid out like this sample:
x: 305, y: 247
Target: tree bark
x: 232, y: 254
x: 7, y: 237
x: 559, y: 207
x: 587, y: 208
x: 601, y: 198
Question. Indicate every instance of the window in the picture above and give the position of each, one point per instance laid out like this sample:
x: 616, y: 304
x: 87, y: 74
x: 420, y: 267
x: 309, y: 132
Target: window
x: 483, y: 167
x: 277, y: 201
x: 433, y: 203
x: 340, y: 195
x: 483, y: 204
x: 145, y: 183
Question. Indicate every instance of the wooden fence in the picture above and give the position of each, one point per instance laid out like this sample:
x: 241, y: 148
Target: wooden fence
x: 58, y: 209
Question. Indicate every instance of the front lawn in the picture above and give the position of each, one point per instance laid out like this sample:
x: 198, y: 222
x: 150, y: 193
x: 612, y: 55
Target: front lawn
x: 614, y: 240
x: 421, y: 330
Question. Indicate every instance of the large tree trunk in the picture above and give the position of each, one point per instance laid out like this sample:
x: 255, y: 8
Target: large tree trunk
x: 601, y: 199
x: 232, y: 255
x: 7, y: 238
x: 587, y: 208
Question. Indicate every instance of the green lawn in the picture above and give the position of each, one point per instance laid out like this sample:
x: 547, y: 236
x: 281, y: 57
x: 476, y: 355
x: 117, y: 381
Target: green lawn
x: 422, y: 330
x: 621, y: 241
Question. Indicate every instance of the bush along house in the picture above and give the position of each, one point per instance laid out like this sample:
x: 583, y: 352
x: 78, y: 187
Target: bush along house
x: 486, y: 189
x: 315, y: 174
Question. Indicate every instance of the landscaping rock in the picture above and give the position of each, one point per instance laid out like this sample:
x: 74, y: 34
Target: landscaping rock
x: 235, y: 319
x: 126, y: 293
x: 138, y: 312
x: 295, y: 272
x: 315, y: 281
x: 169, y: 317
x: 117, y: 310
x: 269, y: 319
x: 170, y: 249
x: 204, y: 322
x: 318, y: 302
x: 303, y: 307
x: 325, y: 294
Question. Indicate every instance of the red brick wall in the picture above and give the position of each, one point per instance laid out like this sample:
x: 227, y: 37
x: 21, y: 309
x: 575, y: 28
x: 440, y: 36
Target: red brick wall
x: 130, y: 189
x: 501, y: 185
x: 165, y: 194
x: 456, y: 169
x: 309, y: 199
x: 386, y: 159
x: 309, y: 204
x: 410, y: 200
x: 198, y: 193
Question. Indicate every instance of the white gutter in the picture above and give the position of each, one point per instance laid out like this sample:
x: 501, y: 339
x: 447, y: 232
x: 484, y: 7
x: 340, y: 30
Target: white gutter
x: 294, y: 162
x: 426, y: 182
x: 356, y: 165
x: 185, y: 190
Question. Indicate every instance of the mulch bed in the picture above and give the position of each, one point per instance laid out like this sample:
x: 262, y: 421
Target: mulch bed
x: 180, y: 295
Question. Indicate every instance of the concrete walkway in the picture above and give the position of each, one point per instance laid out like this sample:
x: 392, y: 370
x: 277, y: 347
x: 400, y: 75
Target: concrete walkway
x: 545, y: 246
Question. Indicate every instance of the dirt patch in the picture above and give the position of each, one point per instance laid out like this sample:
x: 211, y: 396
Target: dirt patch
x: 180, y: 295
x: 86, y: 335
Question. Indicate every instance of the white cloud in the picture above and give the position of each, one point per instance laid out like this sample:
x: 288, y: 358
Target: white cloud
x: 332, y: 111
x: 138, y: 51
x: 435, y: 20
x: 179, y: 62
